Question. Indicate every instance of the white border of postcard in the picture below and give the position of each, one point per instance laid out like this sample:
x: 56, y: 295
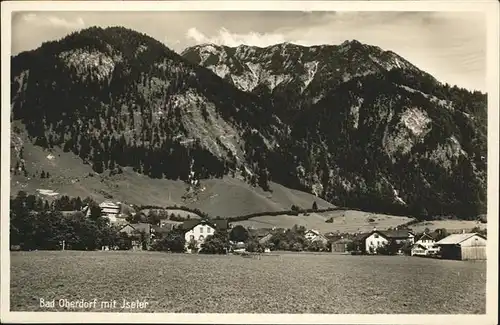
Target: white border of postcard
x: 491, y: 11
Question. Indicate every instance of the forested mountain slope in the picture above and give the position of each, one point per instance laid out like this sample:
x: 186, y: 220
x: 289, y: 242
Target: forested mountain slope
x: 117, y: 97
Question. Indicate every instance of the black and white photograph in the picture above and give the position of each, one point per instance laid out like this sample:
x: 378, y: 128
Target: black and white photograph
x: 250, y: 162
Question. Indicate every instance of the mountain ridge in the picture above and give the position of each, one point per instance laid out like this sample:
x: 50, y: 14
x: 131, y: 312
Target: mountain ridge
x: 364, y: 118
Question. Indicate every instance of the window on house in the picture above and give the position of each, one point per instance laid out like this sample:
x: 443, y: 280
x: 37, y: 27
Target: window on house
x: 376, y: 236
x: 209, y: 230
x: 201, y: 230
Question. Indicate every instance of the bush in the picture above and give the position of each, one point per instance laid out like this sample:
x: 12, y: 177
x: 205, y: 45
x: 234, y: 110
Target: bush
x: 173, y: 242
x: 217, y: 243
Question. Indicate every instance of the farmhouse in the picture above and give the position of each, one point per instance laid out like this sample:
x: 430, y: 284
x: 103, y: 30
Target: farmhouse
x: 465, y: 246
x: 425, y: 245
x: 314, y: 235
x: 262, y: 235
x: 134, y: 230
x: 371, y: 241
x: 311, y: 234
x: 196, y: 231
x: 110, y: 210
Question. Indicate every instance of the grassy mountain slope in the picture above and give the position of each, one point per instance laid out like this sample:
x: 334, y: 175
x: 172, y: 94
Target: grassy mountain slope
x: 68, y: 175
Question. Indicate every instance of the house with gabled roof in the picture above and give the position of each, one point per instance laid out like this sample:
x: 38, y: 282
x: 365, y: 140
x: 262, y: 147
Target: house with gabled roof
x: 197, y: 230
x: 425, y: 245
x: 314, y: 235
x: 464, y: 246
x: 133, y: 229
x: 370, y: 242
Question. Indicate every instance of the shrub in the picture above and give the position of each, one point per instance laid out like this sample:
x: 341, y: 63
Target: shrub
x: 216, y: 243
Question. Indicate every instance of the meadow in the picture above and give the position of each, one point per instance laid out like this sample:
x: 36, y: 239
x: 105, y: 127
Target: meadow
x: 350, y: 221
x: 276, y: 283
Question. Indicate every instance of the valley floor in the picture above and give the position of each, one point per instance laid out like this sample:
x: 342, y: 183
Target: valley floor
x: 276, y: 283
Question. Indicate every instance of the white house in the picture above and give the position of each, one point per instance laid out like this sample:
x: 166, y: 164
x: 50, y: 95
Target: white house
x: 375, y: 240
x: 311, y: 234
x: 425, y: 245
x: 378, y: 238
x: 197, y: 231
x: 110, y: 210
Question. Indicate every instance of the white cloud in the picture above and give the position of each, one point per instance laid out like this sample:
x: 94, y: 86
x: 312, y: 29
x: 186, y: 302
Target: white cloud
x: 225, y: 37
x: 43, y: 20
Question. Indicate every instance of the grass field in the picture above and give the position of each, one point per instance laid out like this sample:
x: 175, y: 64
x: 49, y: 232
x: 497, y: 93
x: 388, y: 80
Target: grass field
x: 279, y: 283
x: 452, y: 226
x: 343, y: 221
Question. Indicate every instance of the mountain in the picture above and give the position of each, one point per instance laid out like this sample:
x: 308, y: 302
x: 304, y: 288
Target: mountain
x: 296, y: 76
x: 368, y: 128
x: 353, y: 124
x: 116, y: 97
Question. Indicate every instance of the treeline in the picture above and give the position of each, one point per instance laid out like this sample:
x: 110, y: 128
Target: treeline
x: 292, y: 239
x: 294, y: 211
x: 35, y: 226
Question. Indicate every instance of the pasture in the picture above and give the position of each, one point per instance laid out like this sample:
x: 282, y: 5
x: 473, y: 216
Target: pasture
x: 343, y: 221
x: 276, y: 283
x: 452, y: 226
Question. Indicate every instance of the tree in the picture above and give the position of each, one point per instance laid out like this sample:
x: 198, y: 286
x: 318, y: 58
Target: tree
x: 238, y: 234
x: 390, y: 248
x: 123, y: 241
x: 316, y: 246
x: 174, y: 241
x: 216, y: 243
x: 95, y: 212
x: 192, y: 244
x: 254, y: 246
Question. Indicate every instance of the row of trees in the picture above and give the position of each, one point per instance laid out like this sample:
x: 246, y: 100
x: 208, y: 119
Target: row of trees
x: 34, y: 225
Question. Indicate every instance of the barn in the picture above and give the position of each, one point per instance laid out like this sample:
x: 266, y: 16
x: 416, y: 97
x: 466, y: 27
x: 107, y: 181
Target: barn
x: 465, y: 246
x: 340, y: 246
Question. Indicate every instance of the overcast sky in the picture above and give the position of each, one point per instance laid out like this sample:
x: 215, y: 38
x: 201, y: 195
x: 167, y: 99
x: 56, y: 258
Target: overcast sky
x: 449, y: 45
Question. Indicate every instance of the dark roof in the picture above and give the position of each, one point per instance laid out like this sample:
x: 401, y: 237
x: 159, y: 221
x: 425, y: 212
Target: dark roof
x: 431, y: 236
x: 143, y: 227
x: 221, y: 224
x: 162, y: 229
x: 396, y: 234
x: 217, y: 224
x: 190, y: 224
x: 259, y: 232
x: 342, y: 241
x: 361, y: 236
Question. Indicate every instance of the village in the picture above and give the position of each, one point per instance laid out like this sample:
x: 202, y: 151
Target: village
x: 241, y: 240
